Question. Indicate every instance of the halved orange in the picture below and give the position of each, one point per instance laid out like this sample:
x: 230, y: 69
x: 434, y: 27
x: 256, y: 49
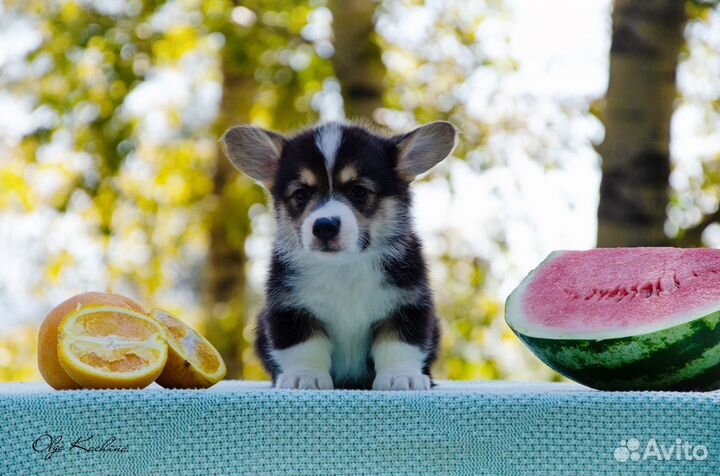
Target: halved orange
x: 105, y: 346
x: 48, y: 362
x: 192, y: 362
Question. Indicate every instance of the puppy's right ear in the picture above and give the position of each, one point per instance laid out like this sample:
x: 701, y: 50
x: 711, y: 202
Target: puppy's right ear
x: 421, y: 149
x: 254, y: 151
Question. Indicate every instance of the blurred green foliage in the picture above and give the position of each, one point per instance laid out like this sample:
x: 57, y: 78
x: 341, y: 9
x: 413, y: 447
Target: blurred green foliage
x: 160, y: 203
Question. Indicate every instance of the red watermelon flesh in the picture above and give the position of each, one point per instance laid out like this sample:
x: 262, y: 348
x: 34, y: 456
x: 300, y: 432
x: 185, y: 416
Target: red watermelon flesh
x: 615, y: 292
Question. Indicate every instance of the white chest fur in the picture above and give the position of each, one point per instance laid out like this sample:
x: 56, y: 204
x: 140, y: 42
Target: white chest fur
x: 347, y: 296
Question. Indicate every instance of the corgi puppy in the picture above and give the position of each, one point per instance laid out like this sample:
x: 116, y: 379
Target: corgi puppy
x: 348, y: 304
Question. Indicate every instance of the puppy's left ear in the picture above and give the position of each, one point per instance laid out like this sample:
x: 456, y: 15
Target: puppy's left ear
x: 422, y: 149
x: 254, y: 151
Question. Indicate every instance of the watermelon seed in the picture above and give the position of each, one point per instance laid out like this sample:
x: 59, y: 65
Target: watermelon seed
x: 591, y: 295
x: 571, y: 293
x: 618, y: 293
x: 647, y: 289
x: 623, y: 293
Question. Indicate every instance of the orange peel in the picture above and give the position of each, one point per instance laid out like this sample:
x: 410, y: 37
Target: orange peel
x: 192, y: 361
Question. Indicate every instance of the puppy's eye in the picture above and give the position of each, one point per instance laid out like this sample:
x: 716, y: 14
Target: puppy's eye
x: 358, y: 192
x: 301, y: 196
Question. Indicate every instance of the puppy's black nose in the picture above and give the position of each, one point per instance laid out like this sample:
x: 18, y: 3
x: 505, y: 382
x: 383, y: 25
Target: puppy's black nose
x: 326, y: 228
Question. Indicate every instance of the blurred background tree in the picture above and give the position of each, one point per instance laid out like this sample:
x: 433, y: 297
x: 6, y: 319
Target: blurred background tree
x: 358, y: 64
x: 259, y: 81
x: 647, y: 40
x: 111, y: 177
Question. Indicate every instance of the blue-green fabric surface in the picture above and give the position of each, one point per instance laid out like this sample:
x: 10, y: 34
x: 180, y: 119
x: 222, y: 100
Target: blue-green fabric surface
x: 247, y: 428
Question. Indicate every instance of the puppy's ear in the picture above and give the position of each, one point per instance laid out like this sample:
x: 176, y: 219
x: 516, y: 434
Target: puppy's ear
x: 254, y: 151
x: 422, y: 149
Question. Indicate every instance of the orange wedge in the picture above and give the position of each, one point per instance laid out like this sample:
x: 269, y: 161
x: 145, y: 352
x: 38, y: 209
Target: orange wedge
x: 105, y: 346
x: 48, y: 362
x: 192, y: 362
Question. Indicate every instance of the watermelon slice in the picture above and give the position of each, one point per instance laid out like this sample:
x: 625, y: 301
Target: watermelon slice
x: 624, y: 318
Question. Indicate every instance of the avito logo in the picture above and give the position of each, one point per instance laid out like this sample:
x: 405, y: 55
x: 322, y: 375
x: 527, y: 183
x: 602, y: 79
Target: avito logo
x: 630, y: 450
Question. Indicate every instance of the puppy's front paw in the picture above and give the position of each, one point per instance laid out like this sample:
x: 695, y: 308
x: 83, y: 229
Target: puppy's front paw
x: 304, y: 380
x: 401, y: 381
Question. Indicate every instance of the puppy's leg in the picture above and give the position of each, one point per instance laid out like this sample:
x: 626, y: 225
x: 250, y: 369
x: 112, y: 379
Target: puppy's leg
x: 305, y: 365
x: 402, y: 350
x: 301, y: 350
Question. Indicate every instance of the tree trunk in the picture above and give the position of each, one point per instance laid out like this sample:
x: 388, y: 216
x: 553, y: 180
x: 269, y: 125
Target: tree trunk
x: 646, y: 40
x: 224, y: 286
x: 357, y: 61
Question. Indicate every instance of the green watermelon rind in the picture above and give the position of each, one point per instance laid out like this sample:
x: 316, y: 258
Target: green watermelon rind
x: 680, y: 353
x: 685, y: 357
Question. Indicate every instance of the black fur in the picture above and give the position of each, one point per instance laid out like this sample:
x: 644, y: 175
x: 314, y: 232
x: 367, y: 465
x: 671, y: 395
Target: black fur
x: 407, y: 270
x: 415, y: 323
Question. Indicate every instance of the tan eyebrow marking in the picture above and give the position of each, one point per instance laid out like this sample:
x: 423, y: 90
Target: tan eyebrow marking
x: 348, y: 173
x: 308, y: 177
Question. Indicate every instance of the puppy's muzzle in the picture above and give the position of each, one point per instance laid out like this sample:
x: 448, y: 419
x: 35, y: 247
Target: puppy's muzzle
x: 331, y: 228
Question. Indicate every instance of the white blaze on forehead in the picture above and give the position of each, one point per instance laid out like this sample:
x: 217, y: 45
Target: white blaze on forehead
x: 349, y: 230
x: 328, y: 139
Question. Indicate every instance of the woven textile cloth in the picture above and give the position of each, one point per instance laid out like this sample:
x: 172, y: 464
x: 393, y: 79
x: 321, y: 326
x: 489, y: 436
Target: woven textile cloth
x: 243, y: 428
